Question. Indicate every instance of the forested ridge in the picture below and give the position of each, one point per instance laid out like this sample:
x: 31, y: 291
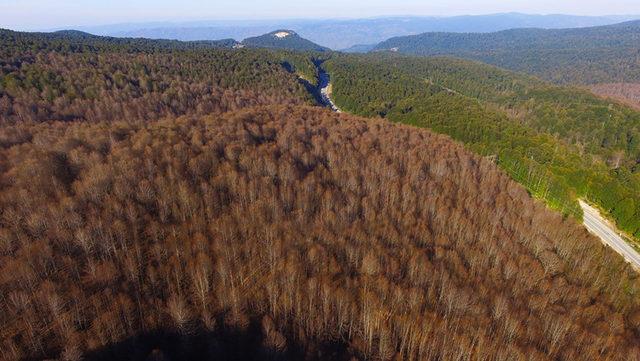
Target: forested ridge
x: 576, y: 116
x: 277, y: 40
x: 55, y: 82
x: 604, y: 54
x: 180, y: 203
x: 76, y: 41
x: 561, y: 143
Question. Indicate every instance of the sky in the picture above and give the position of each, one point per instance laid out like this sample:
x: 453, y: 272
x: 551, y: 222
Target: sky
x: 48, y: 14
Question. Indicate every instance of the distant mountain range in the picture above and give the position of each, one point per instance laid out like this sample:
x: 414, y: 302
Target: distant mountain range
x: 360, y: 48
x: 608, y: 54
x: 603, y: 54
x: 343, y: 34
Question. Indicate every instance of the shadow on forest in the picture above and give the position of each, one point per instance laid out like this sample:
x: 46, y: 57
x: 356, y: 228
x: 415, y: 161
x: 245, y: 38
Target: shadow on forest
x: 313, y: 90
x: 226, y: 344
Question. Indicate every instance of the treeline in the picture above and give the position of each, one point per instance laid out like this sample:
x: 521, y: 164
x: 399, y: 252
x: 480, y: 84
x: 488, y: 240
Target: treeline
x: 561, y: 143
x: 300, y: 227
x: 604, y: 54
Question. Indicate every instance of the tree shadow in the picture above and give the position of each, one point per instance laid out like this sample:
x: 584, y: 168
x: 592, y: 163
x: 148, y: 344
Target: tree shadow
x: 313, y: 90
x: 225, y: 344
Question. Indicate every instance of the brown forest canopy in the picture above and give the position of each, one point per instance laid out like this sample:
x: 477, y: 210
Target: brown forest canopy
x: 628, y: 93
x: 116, y: 86
x: 301, y: 227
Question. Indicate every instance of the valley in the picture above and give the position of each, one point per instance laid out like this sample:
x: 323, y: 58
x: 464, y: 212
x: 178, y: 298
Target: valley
x: 325, y: 86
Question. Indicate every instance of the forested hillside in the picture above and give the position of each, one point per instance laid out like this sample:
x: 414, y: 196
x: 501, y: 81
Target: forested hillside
x: 305, y: 234
x: 77, y: 41
x: 95, y: 80
x: 561, y: 143
x: 605, y: 54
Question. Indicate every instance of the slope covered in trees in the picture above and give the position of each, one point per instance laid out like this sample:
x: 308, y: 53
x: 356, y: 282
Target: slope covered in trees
x: 92, y: 78
x: 605, y: 54
x: 77, y: 41
x: 319, y: 235
x: 561, y: 143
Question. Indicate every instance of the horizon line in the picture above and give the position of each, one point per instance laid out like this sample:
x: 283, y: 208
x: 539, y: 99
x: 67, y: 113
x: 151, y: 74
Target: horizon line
x: 248, y: 21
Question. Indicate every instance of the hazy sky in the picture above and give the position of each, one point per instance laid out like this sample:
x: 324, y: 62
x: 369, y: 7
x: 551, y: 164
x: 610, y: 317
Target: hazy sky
x: 44, y: 14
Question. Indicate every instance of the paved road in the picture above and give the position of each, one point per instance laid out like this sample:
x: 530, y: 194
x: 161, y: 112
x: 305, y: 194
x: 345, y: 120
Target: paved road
x: 324, y: 84
x: 603, y: 229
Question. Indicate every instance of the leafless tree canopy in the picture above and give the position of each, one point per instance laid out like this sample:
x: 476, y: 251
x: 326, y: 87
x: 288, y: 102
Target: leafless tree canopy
x: 627, y: 93
x: 301, y: 225
x: 132, y: 87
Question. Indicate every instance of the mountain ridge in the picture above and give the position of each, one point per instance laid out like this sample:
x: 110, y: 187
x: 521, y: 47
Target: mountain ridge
x: 602, y: 54
x: 344, y: 33
x: 283, y: 39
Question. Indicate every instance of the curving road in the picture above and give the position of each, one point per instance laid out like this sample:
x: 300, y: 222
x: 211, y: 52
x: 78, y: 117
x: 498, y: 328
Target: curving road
x: 324, y: 84
x: 606, y: 232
